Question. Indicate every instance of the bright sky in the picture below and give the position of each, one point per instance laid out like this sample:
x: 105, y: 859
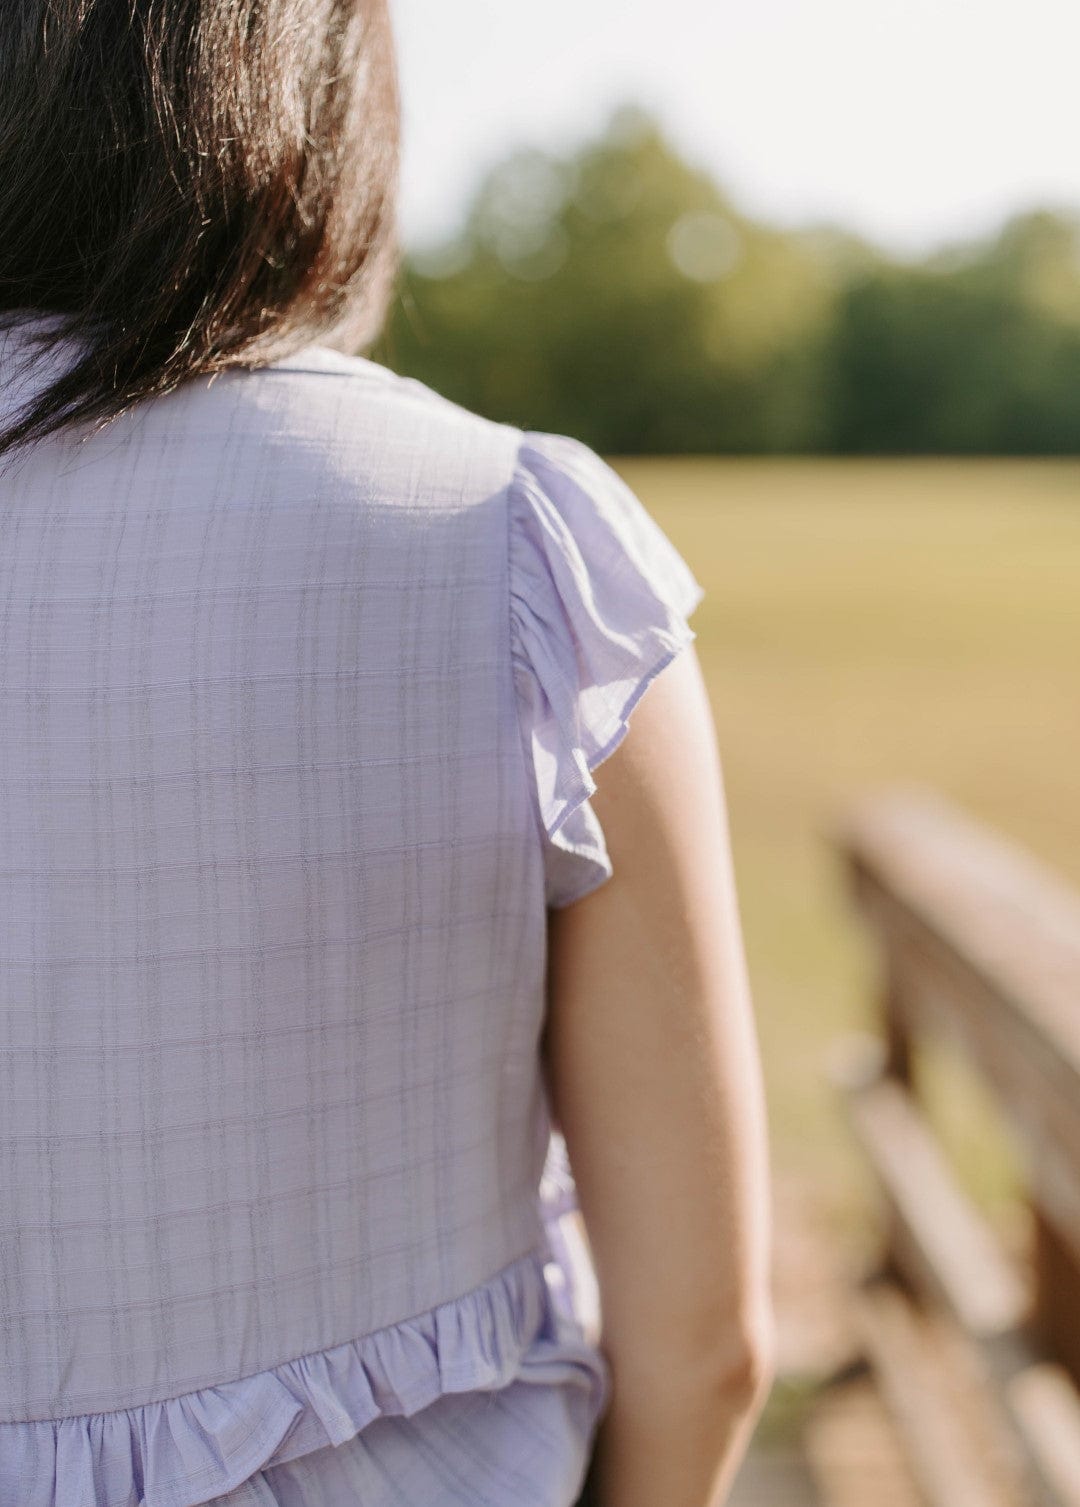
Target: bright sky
x: 912, y: 121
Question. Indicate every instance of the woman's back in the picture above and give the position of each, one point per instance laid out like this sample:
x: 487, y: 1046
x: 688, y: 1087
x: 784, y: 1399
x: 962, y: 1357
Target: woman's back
x: 303, y: 674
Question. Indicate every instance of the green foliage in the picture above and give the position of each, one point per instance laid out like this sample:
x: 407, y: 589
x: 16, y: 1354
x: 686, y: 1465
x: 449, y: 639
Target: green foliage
x: 618, y: 295
x: 959, y: 362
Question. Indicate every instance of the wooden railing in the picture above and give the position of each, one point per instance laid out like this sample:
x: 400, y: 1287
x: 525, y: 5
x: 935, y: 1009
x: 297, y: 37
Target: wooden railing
x: 975, y: 1349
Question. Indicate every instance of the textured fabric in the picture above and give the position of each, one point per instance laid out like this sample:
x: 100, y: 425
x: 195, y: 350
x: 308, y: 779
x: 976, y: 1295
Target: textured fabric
x: 304, y: 675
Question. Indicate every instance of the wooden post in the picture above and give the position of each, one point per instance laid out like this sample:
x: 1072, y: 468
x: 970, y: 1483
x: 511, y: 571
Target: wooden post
x: 896, y: 1024
x: 898, y: 1066
x: 1055, y: 1318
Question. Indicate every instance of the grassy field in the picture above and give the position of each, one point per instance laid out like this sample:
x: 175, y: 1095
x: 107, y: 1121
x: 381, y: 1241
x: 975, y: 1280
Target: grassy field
x: 867, y: 621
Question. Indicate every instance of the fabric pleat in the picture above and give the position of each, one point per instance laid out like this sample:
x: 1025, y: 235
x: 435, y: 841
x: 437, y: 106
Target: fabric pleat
x: 515, y: 1328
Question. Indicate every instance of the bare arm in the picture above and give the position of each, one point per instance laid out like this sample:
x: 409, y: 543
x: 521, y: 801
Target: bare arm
x: 652, y: 1065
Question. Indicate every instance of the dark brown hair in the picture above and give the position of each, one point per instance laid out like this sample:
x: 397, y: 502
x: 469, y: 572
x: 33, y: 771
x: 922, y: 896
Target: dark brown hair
x: 190, y: 185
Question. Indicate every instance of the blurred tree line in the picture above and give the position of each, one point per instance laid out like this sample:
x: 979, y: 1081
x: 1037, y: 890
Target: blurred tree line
x: 619, y: 296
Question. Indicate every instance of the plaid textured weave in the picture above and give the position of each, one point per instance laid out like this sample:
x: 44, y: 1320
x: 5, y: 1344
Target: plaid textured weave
x: 304, y: 673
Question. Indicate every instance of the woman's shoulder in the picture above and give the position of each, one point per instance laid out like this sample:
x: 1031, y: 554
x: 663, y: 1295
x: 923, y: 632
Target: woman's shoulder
x: 361, y: 371
x: 362, y: 428
x: 321, y: 372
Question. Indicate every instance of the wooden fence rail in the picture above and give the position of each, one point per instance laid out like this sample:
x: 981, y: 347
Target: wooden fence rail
x: 976, y: 1353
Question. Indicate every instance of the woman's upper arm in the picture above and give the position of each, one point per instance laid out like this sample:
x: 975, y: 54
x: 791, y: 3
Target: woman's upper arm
x: 649, y: 1040
x: 651, y: 1054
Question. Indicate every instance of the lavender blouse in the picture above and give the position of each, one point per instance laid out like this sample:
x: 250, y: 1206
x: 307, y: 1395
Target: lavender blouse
x: 304, y: 676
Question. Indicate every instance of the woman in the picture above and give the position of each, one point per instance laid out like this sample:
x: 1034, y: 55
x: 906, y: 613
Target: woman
x: 318, y: 916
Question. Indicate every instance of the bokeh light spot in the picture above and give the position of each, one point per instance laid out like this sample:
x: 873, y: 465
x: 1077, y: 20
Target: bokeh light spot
x: 704, y: 246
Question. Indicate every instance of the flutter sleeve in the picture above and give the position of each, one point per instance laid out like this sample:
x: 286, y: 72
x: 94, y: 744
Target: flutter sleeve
x: 599, y: 602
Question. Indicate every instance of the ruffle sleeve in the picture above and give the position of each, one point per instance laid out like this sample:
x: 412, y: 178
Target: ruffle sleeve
x: 599, y: 602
